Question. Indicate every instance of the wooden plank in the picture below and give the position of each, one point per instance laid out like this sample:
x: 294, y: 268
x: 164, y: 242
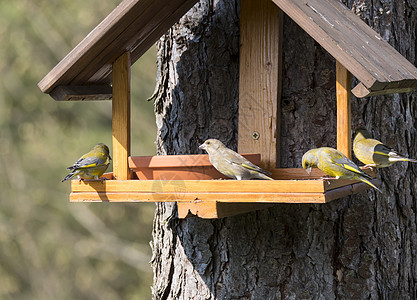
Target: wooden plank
x: 399, y: 65
x: 82, y: 92
x: 307, y: 184
x: 259, y: 80
x: 134, y: 25
x: 215, y: 210
x: 108, y: 176
x: 348, y: 39
x: 121, y: 117
x: 179, y: 167
x: 181, y: 187
x: 349, y: 190
x: 360, y: 91
x: 295, y: 174
x: 343, y: 81
x: 206, y: 210
x: 199, y: 197
x: 196, y: 200
x: 193, y: 160
x: 155, y: 21
x: 200, y: 186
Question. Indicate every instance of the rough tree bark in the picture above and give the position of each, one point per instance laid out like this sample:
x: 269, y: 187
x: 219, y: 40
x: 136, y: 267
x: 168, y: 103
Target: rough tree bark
x: 352, y: 248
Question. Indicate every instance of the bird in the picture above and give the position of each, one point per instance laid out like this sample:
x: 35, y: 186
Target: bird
x: 232, y: 164
x: 373, y: 153
x: 91, y: 165
x: 335, y: 164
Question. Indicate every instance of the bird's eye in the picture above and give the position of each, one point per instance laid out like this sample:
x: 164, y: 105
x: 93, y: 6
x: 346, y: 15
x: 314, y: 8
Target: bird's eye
x: 208, y: 143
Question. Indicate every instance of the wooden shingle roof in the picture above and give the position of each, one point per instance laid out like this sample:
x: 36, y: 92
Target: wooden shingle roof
x: 135, y: 25
x: 374, y: 62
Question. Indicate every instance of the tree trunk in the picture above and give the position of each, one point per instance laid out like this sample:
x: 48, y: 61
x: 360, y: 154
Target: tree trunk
x: 352, y: 248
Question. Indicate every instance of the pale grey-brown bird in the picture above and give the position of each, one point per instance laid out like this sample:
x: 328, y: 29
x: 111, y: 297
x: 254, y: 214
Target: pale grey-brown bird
x: 232, y: 164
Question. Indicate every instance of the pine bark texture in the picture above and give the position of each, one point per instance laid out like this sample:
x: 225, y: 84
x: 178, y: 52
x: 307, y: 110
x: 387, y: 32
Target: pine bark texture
x: 359, y: 247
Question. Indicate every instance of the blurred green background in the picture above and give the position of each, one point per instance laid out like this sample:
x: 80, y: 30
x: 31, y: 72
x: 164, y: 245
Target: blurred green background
x: 50, y: 248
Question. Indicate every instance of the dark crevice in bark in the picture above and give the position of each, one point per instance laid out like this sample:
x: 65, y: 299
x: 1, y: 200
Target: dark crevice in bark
x: 167, y: 288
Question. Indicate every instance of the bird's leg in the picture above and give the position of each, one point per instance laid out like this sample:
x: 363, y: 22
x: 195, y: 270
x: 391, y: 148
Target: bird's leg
x: 370, y: 166
x: 102, y: 179
x: 327, y: 178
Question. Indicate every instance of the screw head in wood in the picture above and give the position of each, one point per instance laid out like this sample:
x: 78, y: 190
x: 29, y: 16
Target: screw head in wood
x: 255, y: 135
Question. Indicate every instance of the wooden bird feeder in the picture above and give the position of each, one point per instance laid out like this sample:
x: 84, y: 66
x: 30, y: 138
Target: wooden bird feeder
x: 99, y: 68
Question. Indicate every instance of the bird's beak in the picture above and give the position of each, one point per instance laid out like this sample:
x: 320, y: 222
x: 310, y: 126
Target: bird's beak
x: 308, y: 170
x: 202, y: 146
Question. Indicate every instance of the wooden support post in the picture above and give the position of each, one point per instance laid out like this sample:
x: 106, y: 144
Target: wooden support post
x: 343, y: 94
x: 121, y: 117
x: 260, y: 80
x: 259, y: 97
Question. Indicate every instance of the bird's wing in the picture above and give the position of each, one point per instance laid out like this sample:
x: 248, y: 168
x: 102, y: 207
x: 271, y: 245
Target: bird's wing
x: 87, y: 162
x: 384, y: 150
x: 348, y: 165
x: 237, y: 159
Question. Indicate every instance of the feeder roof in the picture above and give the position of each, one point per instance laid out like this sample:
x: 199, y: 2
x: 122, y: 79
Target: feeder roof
x: 135, y: 25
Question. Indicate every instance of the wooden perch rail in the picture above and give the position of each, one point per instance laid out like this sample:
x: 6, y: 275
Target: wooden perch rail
x: 291, y: 186
x: 294, y: 191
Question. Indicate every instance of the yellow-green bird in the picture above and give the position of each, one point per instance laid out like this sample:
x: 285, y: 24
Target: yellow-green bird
x: 373, y: 153
x: 232, y: 164
x: 91, y: 165
x: 334, y: 163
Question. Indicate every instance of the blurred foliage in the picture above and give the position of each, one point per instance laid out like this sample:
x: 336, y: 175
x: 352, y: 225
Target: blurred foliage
x: 50, y: 248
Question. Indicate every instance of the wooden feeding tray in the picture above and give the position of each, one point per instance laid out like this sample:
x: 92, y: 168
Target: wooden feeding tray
x: 179, y: 167
x: 211, y: 198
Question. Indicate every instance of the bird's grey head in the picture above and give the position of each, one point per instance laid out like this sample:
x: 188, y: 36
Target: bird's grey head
x: 211, y: 144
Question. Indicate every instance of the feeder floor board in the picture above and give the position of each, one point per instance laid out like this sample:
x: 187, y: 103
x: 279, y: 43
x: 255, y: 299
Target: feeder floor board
x: 225, y: 191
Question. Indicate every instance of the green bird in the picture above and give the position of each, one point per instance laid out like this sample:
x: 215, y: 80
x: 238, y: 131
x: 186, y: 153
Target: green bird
x: 373, y: 153
x: 91, y: 165
x: 232, y: 164
x: 335, y: 164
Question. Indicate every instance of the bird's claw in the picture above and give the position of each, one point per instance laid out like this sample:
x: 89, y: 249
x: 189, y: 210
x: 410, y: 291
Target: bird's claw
x: 371, y: 167
x: 327, y: 178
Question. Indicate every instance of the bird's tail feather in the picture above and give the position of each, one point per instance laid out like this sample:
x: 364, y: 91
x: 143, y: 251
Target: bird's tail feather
x: 394, y: 157
x: 371, y: 184
x: 265, y: 176
x: 69, y: 176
